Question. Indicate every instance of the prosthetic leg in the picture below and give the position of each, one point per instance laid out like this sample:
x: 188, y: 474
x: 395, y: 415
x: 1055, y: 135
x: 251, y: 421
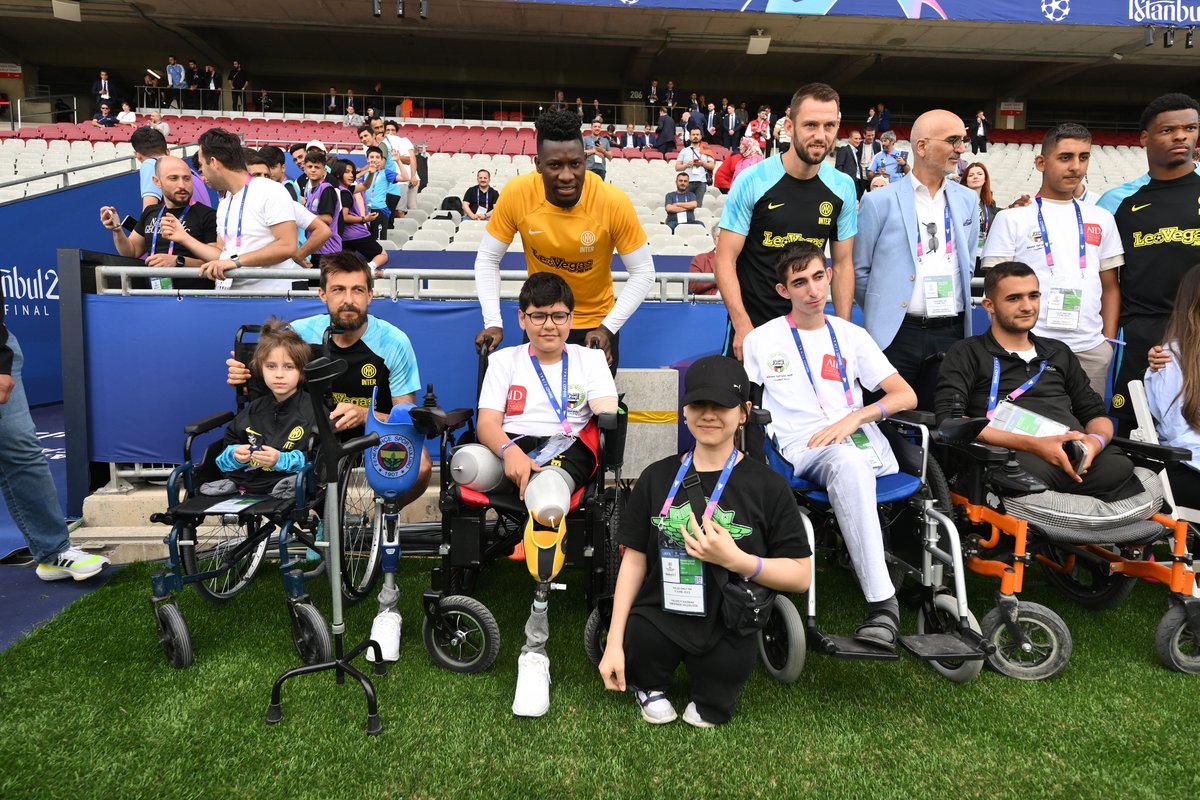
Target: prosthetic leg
x: 388, y: 623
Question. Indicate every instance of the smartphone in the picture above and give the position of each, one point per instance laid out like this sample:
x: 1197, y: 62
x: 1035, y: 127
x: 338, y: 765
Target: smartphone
x: 129, y: 223
x: 1076, y: 452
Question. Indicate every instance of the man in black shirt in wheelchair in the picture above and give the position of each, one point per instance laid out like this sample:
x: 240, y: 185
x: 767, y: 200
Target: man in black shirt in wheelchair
x: 1036, y: 394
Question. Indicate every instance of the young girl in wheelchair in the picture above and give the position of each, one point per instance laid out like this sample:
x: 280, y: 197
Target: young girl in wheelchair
x: 265, y: 445
x: 668, y: 606
x: 1173, y: 391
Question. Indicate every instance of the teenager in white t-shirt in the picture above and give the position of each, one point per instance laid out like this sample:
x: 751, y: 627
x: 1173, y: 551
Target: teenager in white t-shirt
x: 540, y: 396
x: 404, y: 153
x: 823, y: 429
x: 256, y: 226
x: 1080, y: 307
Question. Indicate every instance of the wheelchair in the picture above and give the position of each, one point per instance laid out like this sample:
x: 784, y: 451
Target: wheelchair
x: 219, y: 543
x: 459, y: 632
x: 1091, y: 551
x: 921, y: 548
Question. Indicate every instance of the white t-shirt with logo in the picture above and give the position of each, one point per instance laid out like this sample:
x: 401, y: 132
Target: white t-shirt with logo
x: 399, y: 145
x: 1016, y: 236
x: 696, y: 174
x: 267, y: 203
x: 512, y: 386
x: 772, y: 360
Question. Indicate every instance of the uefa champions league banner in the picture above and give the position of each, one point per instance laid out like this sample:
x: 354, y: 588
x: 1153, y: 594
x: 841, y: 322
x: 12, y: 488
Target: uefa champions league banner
x: 1077, y: 12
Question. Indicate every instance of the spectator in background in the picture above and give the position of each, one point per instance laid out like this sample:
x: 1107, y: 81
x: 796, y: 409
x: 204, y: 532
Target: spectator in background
x: 333, y: 103
x: 628, y: 137
x: 579, y: 112
x: 751, y: 155
x: 883, y: 119
x: 706, y: 263
x: 697, y: 164
x: 783, y: 139
x: 382, y: 175
x: 176, y: 82
x: 156, y: 122
x: 355, y: 217
x: 265, y: 104
x: 712, y: 125
x: 886, y: 162
x: 349, y: 99
x: 649, y: 136
x: 723, y: 177
x: 978, y: 131
x: 760, y: 128
x: 597, y: 147
x: 743, y: 115
x: 151, y: 96
x: 680, y: 204
x: 102, y: 90
x: 480, y: 200
x: 405, y: 157
x: 352, y: 119
x: 980, y: 182
x: 321, y: 197
x: 878, y: 182
x: 126, y: 115
x: 193, y: 77
x: 269, y: 163
x: 238, y: 81
x: 148, y: 145
x: 664, y: 134
x: 150, y: 239
x: 596, y: 109
x: 731, y: 129
x: 210, y: 85
x: 375, y: 100
x: 104, y: 117
x: 296, y: 152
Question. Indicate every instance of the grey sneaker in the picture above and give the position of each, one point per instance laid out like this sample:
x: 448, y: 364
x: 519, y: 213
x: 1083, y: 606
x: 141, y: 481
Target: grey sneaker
x: 656, y: 708
x: 692, y: 717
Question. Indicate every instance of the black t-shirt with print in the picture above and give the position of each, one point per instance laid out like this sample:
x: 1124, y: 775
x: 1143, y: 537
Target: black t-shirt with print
x: 758, y: 510
x: 199, y: 221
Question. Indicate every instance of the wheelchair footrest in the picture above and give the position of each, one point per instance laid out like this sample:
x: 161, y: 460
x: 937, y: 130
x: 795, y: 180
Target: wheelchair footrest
x: 941, y: 647
x: 848, y: 647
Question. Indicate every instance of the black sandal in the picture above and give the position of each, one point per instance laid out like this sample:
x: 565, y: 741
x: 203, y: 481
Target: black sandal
x: 880, y: 629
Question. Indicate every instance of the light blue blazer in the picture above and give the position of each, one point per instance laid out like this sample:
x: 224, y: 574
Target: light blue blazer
x: 885, y: 253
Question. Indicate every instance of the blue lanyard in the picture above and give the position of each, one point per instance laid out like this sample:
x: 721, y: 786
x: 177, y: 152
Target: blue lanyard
x: 677, y: 200
x: 560, y: 410
x: 1046, y: 236
x: 158, y: 225
x: 482, y: 196
x: 718, y: 490
x: 837, y: 356
x: 949, y: 234
x: 1015, y: 393
x: 242, y: 210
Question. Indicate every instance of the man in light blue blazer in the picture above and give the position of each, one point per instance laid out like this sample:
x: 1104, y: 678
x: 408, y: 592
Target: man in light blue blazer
x: 914, y: 256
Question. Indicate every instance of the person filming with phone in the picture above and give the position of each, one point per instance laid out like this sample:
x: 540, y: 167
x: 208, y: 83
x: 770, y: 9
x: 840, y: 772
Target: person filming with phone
x: 1035, y: 392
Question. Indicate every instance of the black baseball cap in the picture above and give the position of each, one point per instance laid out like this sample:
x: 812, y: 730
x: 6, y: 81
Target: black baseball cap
x: 716, y: 379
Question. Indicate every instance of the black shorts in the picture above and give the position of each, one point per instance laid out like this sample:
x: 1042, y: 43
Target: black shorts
x: 578, y: 461
x: 366, y: 247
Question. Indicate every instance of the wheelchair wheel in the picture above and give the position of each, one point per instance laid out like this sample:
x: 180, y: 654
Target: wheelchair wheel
x: 228, y: 546
x: 1088, y: 582
x: 310, y: 634
x: 782, y: 645
x: 173, y: 635
x: 471, y: 641
x: 612, y: 550
x: 944, y: 619
x: 360, y: 529
x: 1049, y: 639
x: 595, y: 636
x: 1176, y: 642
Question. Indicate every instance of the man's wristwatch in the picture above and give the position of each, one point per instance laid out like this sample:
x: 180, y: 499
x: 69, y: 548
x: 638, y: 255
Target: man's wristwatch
x: 237, y: 264
x: 179, y: 261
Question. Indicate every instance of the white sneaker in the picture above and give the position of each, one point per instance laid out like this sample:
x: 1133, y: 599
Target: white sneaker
x: 692, y: 717
x: 385, y: 631
x: 656, y: 708
x: 72, y: 563
x: 533, y: 685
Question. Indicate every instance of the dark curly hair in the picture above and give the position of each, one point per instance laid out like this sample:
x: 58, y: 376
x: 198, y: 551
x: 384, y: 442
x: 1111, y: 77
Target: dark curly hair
x: 558, y: 126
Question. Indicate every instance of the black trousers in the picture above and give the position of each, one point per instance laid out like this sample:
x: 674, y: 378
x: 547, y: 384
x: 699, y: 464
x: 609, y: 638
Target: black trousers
x: 916, y: 352
x: 1109, y: 478
x: 1185, y: 484
x: 717, y: 676
x: 1140, y: 333
x: 978, y: 144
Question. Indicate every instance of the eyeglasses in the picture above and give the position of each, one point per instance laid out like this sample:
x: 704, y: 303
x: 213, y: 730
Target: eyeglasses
x: 931, y: 230
x: 540, y: 317
x: 953, y: 141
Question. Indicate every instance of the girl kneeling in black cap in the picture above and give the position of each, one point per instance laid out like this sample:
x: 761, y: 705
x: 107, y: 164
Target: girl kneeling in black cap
x: 668, y: 603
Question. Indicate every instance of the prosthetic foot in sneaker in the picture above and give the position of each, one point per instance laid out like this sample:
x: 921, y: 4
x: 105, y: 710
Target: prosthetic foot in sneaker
x: 385, y: 631
x: 533, y: 685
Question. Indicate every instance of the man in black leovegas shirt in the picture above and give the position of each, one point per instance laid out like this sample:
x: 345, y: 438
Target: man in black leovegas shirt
x: 1160, y: 229
x: 1038, y: 379
x: 150, y: 237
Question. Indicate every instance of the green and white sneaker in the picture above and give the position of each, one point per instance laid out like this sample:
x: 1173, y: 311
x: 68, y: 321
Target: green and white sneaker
x: 72, y: 563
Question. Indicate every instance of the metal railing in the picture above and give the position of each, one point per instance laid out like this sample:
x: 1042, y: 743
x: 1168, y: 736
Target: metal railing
x: 52, y: 114
x: 66, y: 175
x: 451, y: 109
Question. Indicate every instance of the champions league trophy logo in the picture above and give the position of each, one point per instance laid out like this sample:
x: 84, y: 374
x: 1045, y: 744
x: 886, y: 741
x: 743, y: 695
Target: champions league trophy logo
x: 1056, y: 10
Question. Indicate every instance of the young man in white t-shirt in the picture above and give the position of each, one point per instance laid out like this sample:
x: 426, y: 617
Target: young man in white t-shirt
x: 1081, y: 304
x: 813, y: 369
x: 539, y: 397
x: 404, y: 153
x: 256, y: 226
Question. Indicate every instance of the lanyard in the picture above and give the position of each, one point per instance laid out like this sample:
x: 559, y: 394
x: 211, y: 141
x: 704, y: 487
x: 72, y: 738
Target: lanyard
x: 158, y: 225
x: 949, y: 234
x: 1046, y: 236
x: 1015, y: 393
x: 482, y: 195
x: 718, y: 490
x: 837, y: 356
x: 242, y: 210
x: 560, y: 410
x: 677, y: 200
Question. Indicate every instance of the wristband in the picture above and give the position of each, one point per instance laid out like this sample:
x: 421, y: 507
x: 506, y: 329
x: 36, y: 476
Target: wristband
x: 882, y: 411
x: 1100, y: 439
x: 509, y: 444
x: 757, y: 569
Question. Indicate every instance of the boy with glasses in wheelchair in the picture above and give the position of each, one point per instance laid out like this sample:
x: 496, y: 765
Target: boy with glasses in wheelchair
x: 535, y: 408
x: 813, y: 368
